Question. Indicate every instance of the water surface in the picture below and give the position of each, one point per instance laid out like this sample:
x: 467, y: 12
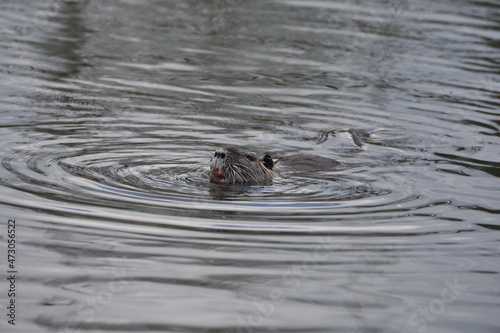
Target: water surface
x: 111, y: 111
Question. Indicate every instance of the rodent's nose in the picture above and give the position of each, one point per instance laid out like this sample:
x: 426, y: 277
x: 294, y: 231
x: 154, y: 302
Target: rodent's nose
x: 219, y: 154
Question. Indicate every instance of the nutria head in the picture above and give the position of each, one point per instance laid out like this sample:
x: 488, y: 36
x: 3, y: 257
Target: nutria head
x: 234, y: 166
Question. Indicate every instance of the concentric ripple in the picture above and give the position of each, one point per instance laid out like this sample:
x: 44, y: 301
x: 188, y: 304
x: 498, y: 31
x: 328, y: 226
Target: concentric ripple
x: 146, y: 175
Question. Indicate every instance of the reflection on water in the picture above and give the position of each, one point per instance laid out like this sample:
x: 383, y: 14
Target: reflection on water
x: 112, y: 110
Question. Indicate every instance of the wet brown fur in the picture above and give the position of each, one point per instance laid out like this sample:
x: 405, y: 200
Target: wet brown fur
x: 235, y: 166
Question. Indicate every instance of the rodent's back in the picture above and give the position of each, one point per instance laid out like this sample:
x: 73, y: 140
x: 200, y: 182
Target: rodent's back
x: 305, y: 163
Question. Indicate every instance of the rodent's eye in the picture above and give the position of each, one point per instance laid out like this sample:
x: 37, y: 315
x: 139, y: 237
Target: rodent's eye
x: 268, y: 162
x: 250, y: 157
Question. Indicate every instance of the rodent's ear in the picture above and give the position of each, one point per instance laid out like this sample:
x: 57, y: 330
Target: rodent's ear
x: 268, y: 162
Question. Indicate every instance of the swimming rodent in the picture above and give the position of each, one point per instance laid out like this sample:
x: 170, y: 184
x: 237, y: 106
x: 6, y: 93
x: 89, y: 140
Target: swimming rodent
x: 233, y: 165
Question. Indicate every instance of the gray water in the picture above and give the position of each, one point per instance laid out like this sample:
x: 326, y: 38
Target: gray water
x: 111, y: 110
